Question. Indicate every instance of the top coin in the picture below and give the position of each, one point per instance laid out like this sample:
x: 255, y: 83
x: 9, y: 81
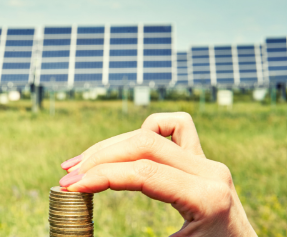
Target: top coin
x: 64, y: 191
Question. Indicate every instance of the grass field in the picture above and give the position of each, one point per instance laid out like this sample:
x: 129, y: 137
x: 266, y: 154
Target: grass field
x: 251, y: 139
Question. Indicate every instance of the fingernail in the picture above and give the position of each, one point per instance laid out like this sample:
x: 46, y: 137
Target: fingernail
x: 72, y: 162
x: 71, y: 178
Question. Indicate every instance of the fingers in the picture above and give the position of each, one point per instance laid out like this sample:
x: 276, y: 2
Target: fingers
x: 98, y: 146
x: 147, y: 145
x: 179, y: 125
x: 155, y: 180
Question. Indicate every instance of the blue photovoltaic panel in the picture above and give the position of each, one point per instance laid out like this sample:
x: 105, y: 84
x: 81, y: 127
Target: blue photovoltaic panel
x: 88, y: 77
x: 157, y: 52
x: 123, y: 64
x: 91, y: 30
x: 246, y: 63
x: 14, y: 77
x: 275, y: 59
x: 222, y: 48
x: 245, y: 47
x: 277, y: 68
x: 16, y: 65
x: 223, y: 56
x: 122, y: 76
x: 89, y: 53
x: 19, y: 43
x: 157, y: 76
x: 200, y: 64
x: 248, y: 71
x: 56, y: 77
x: 20, y: 32
x: 181, y: 53
x: 54, y: 30
x: 157, y: 29
x: 90, y: 41
x: 61, y: 53
x: 157, y: 40
x: 59, y: 65
x: 9, y: 54
x: 124, y: 41
x: 201, y: 81
x: 199, y: 49
x: 277, y: 50
x: 225, y: 80
x: 49, y: 42
x: 200, y: 56
x: 127, y: 52
x: 89, y: 65
x: 201, y: 72
x: 278, y: 40
x: 248, y: 80
x: 157, y: 64
x: 129, y: 29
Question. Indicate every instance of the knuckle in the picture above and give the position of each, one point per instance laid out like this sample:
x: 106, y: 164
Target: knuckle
x: 224, y: 198
x: 184, y: 116
x: 145, y: 168
x: 145, y: 141
x: 225, y: 174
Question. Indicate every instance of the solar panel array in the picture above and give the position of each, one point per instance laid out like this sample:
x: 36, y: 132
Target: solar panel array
x: 225, y: 65
x: 133, y: 55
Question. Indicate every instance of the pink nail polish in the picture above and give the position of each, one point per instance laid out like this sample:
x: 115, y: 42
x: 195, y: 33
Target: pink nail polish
x: 72, y: 162
x: 71, y: 178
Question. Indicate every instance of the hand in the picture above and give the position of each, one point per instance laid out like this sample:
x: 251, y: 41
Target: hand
x: 174, y: 172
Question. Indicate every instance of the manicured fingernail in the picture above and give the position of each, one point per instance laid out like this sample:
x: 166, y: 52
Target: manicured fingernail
x: 72, y: 162
x: 71, y: 178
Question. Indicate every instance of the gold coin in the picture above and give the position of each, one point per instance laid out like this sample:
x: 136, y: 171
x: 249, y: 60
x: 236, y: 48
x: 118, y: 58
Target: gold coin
x: 71, y: 209
x: 70, y: 212
x: 70, y: 235
x: 73, y: 225
x: 71, y: 197
x: 64, y: 191
x: 75, y: 222
x: 60, y: 217
x: 71, y: 228
x: 75, y: 207
x: 85, y: 232
x: 70, y: 200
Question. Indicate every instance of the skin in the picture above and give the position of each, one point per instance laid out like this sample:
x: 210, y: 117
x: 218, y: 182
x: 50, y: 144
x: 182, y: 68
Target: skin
x: 175, y: 172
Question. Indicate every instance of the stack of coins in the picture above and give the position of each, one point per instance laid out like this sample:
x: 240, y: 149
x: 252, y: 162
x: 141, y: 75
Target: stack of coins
x: 70, y: 213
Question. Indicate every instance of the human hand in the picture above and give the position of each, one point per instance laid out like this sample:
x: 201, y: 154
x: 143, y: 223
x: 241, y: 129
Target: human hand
x: 174, y: 172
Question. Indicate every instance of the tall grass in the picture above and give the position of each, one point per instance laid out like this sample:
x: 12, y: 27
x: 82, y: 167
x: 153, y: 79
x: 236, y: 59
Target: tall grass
x: 250, y: 139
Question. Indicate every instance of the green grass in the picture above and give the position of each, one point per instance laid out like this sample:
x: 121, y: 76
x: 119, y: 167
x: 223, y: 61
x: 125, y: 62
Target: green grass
x: 251, y: 139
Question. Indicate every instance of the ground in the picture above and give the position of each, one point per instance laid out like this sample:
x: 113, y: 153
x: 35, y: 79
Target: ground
x: 250, y: 139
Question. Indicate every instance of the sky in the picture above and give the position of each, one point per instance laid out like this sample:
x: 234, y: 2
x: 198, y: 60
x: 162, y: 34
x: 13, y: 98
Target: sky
x: 196, y: 22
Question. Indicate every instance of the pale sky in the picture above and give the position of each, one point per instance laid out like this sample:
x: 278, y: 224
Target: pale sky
x: 197, y: 22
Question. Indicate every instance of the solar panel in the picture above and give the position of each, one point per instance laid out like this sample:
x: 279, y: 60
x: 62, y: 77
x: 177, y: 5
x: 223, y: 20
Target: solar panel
x: 276, y: 59
x: 89, y: 56
x: 55, y: 56
x: 16, y: 50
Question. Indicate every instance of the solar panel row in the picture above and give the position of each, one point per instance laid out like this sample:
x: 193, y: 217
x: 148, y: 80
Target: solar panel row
x: 117, y: 55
